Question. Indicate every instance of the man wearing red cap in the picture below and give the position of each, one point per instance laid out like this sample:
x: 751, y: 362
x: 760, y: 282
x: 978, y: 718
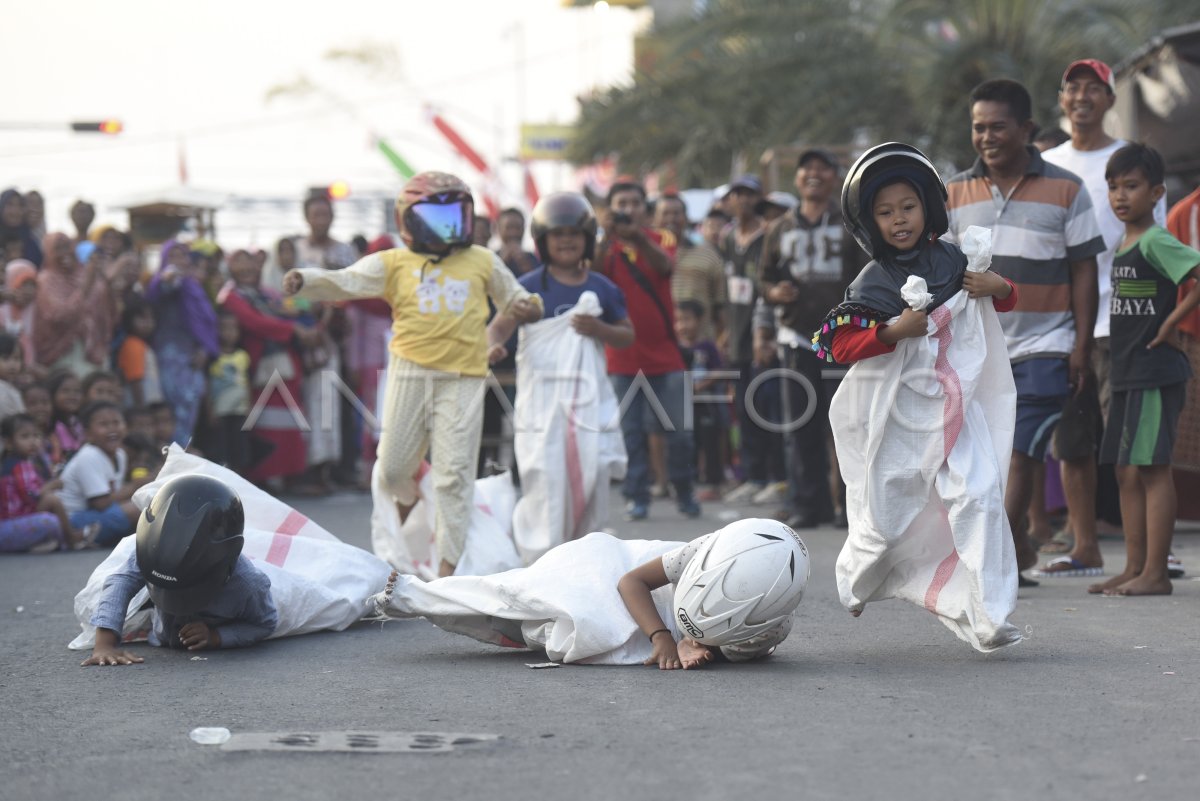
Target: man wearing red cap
x: 1088, y: 92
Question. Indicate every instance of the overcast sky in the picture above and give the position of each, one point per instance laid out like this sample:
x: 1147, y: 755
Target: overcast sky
x: 197, y: 75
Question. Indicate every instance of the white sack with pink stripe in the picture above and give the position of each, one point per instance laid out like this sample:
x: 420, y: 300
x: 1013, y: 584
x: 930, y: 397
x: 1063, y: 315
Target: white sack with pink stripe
x: 412, y: 547
x: 567, y: 433
x: 924, y: 436
x: 318, y: 582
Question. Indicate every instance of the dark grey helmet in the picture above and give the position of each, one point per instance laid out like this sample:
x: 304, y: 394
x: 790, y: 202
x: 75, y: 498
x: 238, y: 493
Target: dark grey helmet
x: 562, y: 210
x: 188, y: 542
x: 883, y: 163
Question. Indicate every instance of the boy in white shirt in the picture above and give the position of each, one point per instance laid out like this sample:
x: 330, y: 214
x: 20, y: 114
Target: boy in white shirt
x: 94, y: 487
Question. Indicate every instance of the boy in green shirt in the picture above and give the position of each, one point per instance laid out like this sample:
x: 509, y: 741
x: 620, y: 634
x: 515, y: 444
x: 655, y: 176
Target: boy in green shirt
x: 1149, y: 371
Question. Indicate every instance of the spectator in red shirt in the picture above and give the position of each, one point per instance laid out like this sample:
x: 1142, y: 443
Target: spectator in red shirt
x: 639, y: 260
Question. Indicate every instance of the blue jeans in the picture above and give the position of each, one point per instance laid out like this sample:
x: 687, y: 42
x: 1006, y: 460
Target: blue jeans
x: 114, y: 525
x: 653, y: 396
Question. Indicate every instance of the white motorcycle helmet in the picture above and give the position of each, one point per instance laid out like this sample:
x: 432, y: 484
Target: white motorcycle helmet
x: 745, y: 580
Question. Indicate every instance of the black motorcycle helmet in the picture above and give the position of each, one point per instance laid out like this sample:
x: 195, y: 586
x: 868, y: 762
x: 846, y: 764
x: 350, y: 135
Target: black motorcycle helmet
x: 563, y: 210
x: 883, y: 164
x: 188, y: 542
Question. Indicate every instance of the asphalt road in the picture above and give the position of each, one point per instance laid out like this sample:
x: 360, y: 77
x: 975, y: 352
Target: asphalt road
x: 1102, y: 701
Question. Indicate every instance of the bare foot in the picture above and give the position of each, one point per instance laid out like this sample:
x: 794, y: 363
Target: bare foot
x: 445, y: 569
x: 1087, y: 556
x: 1104, y: 587
x: 1143, y: 586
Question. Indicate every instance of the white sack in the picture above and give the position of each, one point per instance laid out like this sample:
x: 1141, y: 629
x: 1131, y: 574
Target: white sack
x: 411, y: 548
x: 924, y: 436
x: 317, y: 581
x: 567, y: 442
x: 565, y: 603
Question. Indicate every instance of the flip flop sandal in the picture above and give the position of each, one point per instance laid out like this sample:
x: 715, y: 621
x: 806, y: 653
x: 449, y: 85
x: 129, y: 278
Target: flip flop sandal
x: 1067, y: 567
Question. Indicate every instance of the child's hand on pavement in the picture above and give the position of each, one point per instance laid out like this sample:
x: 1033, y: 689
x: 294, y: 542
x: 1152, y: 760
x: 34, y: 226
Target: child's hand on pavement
x: 198, y: 635
x: 985, y: 284
x: 693, y: 654
x: 665, y: 654
x: 110, y: 656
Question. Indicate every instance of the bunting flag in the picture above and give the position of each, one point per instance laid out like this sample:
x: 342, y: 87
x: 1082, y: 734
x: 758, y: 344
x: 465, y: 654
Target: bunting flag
x: 183, y: 169
x: 460, y: 144
x: 395, y: 159
x: 473, y: 158
x: 531, y: 190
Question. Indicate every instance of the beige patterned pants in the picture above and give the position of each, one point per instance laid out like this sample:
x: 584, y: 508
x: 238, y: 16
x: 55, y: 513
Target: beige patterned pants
x: 426, y: 408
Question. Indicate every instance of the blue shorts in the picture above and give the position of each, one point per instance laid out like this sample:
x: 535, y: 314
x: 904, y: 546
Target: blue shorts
x: 113, y: 523
x: 1043, y: 387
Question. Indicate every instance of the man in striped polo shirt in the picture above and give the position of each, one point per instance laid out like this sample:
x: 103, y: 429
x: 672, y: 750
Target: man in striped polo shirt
x: 1045, y: 240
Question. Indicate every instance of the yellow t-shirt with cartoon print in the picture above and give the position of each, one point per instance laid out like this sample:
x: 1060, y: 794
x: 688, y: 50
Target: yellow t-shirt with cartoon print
x: 439, y: 307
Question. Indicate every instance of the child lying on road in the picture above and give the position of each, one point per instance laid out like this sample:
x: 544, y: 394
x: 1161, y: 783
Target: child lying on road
x: 601, y: 600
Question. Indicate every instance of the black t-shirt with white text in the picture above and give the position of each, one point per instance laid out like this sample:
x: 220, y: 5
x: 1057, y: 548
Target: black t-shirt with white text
x: 1145, y: 279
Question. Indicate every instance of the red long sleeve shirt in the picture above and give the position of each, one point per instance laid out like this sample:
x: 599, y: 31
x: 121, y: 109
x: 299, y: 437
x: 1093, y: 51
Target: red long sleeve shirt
x: 852, y: 344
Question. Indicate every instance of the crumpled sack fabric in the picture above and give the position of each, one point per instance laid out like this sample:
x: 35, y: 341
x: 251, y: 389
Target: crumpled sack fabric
x: 412, y: 547
x: 567, y: 439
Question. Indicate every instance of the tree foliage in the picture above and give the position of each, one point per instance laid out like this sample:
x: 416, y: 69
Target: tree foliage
x: 751, y: 74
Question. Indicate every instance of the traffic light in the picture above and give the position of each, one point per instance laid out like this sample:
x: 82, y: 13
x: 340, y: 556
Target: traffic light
x: 338, y: 190
x: 110, y: 127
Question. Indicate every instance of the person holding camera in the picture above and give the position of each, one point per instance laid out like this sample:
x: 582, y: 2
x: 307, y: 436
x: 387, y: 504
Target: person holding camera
x: 639, y: 260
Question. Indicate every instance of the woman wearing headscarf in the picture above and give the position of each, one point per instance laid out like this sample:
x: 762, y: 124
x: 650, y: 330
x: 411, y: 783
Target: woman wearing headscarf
x: 17, y: 310
x: 185, y: 336
x: 272, y: 341
x: 72, y: 318
x: 35, y: 214
x: 14, y: 229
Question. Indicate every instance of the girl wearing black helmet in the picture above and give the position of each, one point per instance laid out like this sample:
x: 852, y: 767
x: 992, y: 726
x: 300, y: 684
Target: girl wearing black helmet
x: 924, y: 434
x: 564, y: 230
x: 894, y: 203
x: 566, y: 458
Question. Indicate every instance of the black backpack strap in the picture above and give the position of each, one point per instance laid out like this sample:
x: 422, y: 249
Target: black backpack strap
x: 640, y: 278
